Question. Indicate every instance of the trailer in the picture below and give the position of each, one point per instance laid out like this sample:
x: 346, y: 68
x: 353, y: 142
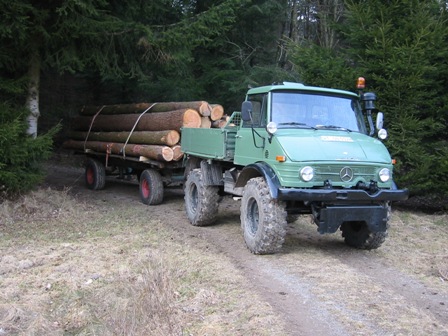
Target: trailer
x: 152, y: 176
x: 139, y: 142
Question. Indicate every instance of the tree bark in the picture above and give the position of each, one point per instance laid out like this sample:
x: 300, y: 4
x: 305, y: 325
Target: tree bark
x: 159, y: 153
x: 202, y: 107
x: 32, y: 100
x: 165, y: 121
x: 169, y: 138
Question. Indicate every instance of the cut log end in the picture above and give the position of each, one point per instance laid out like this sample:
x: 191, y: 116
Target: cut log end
x: 191, y: 119
x: 205, y: 109
x: 206, y: 122
x: 217, y: 112
x: 171, y: 138
x: 167, y: 154
x: 178, y: 154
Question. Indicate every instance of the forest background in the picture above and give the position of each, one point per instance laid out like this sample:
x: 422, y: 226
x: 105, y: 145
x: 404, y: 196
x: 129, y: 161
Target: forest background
x: 58, y: 55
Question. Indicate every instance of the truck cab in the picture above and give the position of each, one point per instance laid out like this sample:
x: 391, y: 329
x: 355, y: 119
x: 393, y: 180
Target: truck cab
x: 312, y: 151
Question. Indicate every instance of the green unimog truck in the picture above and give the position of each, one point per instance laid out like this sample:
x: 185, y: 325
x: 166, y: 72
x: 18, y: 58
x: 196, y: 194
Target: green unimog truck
x: 292, y: 150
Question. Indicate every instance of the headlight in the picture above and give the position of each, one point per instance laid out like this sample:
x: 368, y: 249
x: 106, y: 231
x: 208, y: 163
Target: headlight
x: 307, y: 173
x: 382, y: 134
x: 384, y: 174
x: 271, y: 127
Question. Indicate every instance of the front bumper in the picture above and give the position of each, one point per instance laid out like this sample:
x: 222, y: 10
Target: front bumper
x: 341, y: 195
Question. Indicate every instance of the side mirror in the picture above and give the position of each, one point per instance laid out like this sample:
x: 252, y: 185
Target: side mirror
x: 246, y: 111
x: 379, y: 120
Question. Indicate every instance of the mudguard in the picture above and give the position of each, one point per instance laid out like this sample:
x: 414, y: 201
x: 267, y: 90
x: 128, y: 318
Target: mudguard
x: 260, y: 169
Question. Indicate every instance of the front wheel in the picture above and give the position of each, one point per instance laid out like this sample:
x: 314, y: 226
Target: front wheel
x: 201, y: 201
x: 95, y: 174
x: 151, y: 187
x: 263, y: 219
x: 358, y: 235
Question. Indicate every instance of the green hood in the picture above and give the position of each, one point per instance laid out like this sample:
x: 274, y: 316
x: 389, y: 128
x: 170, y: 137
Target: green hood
x: 324, y: 145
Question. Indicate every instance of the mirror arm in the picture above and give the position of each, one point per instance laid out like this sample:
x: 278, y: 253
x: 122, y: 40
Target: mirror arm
x: 369, y: 119
x: 253, y: 137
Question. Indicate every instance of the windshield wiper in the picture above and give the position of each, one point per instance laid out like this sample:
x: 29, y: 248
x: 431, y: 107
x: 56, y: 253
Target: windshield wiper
x: 334, y: 127
x: 293, y: 123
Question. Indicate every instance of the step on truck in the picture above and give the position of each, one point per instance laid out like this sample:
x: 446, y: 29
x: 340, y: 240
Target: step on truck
x: 293, y: 150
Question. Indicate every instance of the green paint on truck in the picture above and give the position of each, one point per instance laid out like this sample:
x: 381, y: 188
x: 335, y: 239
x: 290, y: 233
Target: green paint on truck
x: 295, y: 149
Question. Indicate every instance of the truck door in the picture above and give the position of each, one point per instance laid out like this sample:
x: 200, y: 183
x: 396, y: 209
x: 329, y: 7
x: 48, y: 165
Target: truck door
x: 250, y: 144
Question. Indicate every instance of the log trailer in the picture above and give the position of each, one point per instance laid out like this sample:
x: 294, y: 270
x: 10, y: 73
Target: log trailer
x: 139, y: 140
x: 292, y: 150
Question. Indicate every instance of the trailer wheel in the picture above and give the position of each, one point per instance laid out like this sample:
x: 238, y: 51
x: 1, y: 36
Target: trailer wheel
x: 358, y: 235
x: 201, y: 201
x: 263, y: 219
x: 151, y: 187
x: 95, y: 174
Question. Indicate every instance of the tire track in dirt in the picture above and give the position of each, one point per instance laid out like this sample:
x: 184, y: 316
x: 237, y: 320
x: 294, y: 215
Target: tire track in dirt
x: 376, y: 299
x: 317, y: 284
x: 289, y: 296
x: 374, y: 265
x: 416, y: 293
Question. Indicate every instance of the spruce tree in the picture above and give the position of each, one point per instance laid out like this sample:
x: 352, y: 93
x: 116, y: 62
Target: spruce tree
x: 399, y: 45
x: 20, y: 155
x: 112, y: 40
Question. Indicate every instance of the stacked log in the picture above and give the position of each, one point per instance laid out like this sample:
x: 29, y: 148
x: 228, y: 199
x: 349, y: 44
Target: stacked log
x: 169, y: 138
x: 148, y: 130
x: 162, y: 121
x: 159, y: 153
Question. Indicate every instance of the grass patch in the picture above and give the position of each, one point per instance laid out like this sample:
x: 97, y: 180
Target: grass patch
x: 94, y: 268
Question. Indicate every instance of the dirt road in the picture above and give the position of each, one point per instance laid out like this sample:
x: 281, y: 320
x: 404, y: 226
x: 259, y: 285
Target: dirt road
x: 317, y: 285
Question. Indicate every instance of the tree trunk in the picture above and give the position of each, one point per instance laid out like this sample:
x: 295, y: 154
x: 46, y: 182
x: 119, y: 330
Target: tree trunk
x: 32, y: 99
x: 169, y: 138
x: 294, y: 32
x: 159, y: 153
x: 201, y: 106
x: 165, y: 121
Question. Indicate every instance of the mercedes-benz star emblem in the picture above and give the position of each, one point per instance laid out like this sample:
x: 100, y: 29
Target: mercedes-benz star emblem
x: 346, y: 174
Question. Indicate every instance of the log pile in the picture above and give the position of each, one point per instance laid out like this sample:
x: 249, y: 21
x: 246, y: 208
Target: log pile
x: 146, y: 130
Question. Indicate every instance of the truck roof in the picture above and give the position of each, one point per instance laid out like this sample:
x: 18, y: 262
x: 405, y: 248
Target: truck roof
x: 297, y: 86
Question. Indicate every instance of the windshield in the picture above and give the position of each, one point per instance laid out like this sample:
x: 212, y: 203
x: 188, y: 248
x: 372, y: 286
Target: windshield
x: 321, y: 111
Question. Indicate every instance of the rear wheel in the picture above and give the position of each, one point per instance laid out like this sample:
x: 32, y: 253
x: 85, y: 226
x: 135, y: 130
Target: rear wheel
x: 95, y: 174
x: 357, y: 234
x: 201, y: 201
x: 263, y: 219
x: 151, y: 187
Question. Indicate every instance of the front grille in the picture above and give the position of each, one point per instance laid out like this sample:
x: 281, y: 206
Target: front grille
x: 323, y: 173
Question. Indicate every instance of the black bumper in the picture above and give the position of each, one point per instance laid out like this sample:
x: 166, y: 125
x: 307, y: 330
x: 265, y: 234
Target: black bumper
x: 341, y: 195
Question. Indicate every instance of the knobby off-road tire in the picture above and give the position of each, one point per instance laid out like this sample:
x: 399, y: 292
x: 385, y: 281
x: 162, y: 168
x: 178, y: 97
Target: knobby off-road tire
x: 357, y: 234
x: 263, y: 219
x: 151, y: 187
x: 201, y: 201
x: 95, y: 174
